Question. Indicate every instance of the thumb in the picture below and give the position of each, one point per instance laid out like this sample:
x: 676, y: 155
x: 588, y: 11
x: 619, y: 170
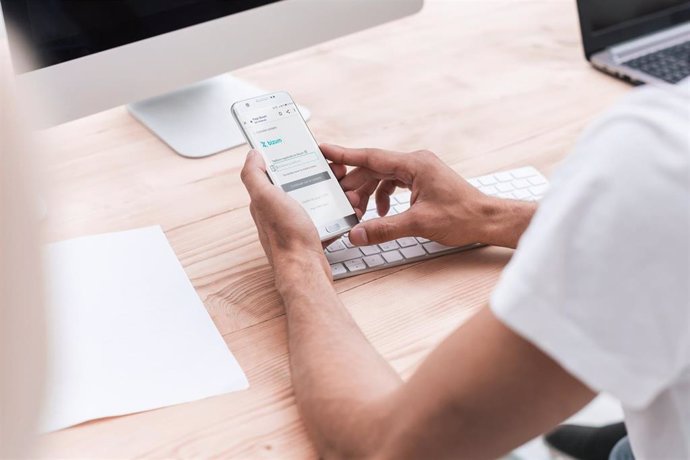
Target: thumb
x: 253, y: 173
x: 384, y: 229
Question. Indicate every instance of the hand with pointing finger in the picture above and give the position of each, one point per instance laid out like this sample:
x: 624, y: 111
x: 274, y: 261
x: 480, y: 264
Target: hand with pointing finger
x: 443, y: 206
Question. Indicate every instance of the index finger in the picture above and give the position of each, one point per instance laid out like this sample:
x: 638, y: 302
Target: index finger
x: 378, y: 160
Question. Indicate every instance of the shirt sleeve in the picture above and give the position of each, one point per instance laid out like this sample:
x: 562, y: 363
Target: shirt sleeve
x: 600, y: 279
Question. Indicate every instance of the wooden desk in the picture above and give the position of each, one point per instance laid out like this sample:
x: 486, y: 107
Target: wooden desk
x: 485, y: 84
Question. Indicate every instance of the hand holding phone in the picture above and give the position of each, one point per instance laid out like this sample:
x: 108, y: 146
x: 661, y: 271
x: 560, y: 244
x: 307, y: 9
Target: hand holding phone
x: 275, y: 128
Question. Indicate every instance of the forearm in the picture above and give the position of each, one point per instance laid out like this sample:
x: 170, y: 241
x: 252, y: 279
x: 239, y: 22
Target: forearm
x: 341, y: 382
x: 505, y: 221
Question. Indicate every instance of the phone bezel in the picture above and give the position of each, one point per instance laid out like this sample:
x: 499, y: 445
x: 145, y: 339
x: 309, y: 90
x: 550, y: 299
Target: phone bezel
x: 339, y: 226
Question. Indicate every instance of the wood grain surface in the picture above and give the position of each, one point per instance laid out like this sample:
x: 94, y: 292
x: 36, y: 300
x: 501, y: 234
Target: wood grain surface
x: 487, y: 85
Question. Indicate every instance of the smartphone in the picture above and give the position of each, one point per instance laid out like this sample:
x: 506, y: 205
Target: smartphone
x: 274, y: 126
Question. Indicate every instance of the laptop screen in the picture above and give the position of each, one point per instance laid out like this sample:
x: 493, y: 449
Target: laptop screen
x: 612, y: 13
x: 608, y: 22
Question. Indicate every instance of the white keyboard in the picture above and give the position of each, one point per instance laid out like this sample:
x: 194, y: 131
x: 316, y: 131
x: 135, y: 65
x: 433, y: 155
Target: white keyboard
x: 347, y: 260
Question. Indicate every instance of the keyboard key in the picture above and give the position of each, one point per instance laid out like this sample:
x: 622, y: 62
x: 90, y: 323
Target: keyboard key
x: 413, y: 251
x: 537, y: 180
x: 346, y: 242
x: 434, y: 247
x: 522, y: 194
x: 539, y: 190
x: 338, y: 269
x: 374, y: 261
x: 389, y: 246
x: 371, y: 205
x: 342, y: 256
x: 392, y: 256
x: 422, y: 240
x: 406, y: 242
x: 488, y: 180
x: 336, y: 246
x: 504, y: 177
x: 490, y: 190
x: 355, y: 265
x: 504, y: 188
x: 402, y: 207
x: 369, y: 250
x: 520, y: 183
x: 474, y: 182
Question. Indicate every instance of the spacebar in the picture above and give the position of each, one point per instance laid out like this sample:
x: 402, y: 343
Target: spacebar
x: 342, y: 256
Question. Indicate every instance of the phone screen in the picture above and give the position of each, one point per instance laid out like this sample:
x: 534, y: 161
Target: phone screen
x: 274, y: 126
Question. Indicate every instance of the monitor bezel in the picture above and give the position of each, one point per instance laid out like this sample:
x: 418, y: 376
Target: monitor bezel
x: 17, y: 9
x: 168, y: 62
x: 595, y: 41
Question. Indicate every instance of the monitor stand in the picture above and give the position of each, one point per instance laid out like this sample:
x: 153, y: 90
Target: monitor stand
x: 196, y: 121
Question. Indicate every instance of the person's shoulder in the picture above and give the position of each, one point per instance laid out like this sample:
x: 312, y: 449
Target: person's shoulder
x: 634, y: 156
x: 645, y: 135
x: 656, y: 112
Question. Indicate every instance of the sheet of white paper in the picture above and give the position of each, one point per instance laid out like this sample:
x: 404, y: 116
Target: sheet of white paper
x: 127, y: 331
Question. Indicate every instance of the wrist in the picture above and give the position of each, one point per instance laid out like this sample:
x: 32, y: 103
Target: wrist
x: 504, y: 221
x: 301, y: 270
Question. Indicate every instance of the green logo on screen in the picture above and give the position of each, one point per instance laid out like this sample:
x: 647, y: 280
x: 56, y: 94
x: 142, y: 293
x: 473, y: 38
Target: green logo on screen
x: 269, y: 143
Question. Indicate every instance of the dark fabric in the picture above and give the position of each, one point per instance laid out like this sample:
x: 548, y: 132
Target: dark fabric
x: 585, y: 442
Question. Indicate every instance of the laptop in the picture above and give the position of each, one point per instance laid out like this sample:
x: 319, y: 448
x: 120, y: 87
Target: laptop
x: 639, y: 41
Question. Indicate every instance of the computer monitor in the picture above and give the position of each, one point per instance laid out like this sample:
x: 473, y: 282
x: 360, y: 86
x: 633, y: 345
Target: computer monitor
x: 88, y: 56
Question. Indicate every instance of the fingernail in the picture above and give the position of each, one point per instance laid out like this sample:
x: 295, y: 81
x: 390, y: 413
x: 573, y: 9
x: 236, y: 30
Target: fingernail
x: 358, y: 235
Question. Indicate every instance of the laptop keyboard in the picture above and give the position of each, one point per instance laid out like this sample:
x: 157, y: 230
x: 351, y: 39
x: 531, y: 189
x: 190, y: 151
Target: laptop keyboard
x: 671, y: 64
x: 347, y: 260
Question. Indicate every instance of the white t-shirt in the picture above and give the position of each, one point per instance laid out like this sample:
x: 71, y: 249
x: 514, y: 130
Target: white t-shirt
x: 601, y: 278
